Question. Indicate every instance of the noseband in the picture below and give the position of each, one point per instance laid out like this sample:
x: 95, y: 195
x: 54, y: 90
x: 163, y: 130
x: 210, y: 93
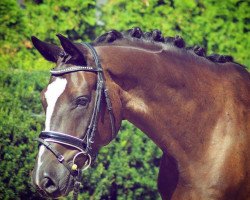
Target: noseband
x: 83, y: 145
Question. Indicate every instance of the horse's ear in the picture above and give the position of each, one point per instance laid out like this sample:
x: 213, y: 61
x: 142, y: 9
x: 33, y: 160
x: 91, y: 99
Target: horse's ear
x: 70, y: 48
x: 50, y: 52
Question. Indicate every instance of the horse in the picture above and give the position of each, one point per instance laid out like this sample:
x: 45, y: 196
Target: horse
x: 194, y: 107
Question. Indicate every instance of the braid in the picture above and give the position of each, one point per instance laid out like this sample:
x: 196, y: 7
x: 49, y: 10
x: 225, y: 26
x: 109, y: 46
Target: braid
x: 220, y: 58
x: 176, y: 41
x: 109, y: 37
x: 200, y: 51
x: 179, y: 42
x: 156, y: 36
x: 136, y: 32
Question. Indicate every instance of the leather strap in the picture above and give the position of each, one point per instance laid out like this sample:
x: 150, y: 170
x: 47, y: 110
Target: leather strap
x: 58, y: 155
x: 61, y: 71
x: 104, y: 87
x: 63, y: 139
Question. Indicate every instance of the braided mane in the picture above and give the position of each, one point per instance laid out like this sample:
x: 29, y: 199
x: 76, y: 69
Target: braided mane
x: 156, y: 36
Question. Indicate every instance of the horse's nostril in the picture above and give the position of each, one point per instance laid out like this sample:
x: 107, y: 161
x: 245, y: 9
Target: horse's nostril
x: 49, y: 185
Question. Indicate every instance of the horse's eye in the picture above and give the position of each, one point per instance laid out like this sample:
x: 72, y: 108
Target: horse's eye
x: 82, y: 101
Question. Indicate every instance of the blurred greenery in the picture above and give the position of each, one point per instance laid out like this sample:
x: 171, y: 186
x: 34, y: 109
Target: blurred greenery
x: 21, y: 119
x: 127, y: 168
x: 220, y: 26
x: 44, y: 19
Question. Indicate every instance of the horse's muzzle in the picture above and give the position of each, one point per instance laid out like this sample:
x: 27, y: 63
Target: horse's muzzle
x: 49, y: 185
x: 52, y: 180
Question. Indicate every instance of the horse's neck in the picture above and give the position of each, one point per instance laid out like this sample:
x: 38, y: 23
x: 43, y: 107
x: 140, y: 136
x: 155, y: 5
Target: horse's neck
x: 158, y: 91
x: 186, y: 107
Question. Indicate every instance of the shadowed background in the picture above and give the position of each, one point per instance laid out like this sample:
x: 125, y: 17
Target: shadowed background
x: 128, y: 167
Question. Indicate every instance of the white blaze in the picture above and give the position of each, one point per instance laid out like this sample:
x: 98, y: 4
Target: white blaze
x: 39, y: 162
x: 54, y: 91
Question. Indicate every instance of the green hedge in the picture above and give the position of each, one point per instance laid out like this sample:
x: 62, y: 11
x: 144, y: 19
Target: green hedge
x: 21, y: 119
x: 220, y: 26
x: 43, y: 19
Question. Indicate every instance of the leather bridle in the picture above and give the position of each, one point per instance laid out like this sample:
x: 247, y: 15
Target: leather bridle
x: 82, y: 145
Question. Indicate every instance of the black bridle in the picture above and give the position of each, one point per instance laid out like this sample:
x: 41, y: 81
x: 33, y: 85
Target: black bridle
x: 83, y: 145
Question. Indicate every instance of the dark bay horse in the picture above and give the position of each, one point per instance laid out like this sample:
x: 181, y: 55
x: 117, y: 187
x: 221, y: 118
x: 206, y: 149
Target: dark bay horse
x: 194, y: 107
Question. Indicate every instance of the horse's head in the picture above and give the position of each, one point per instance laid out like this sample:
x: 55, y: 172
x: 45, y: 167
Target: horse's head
x: 79, y: 116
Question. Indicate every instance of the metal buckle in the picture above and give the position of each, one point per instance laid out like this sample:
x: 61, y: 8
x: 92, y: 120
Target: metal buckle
x: 87, y: 162
x: 60, y: 158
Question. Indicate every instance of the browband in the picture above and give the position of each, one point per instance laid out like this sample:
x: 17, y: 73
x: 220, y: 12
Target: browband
x: 61, y: 71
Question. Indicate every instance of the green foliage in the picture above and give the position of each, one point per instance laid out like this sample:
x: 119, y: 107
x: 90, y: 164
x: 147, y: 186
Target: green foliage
x: 20, y: 121
x: 220, y: 26
x: 75, y: 19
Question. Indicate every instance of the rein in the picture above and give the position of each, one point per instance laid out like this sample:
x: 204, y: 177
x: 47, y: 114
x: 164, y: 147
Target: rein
x: 83, y: 145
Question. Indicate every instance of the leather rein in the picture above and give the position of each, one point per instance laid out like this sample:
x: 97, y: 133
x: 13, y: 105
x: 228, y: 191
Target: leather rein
x: 82, y: 145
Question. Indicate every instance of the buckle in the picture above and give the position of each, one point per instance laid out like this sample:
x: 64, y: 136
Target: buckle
x: 60, y: 158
